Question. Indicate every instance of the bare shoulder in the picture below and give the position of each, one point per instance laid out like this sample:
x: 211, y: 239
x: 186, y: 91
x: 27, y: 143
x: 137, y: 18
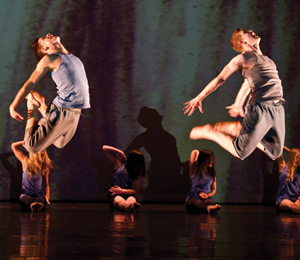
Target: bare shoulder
x: 49, y: 61
x: 245, y: 59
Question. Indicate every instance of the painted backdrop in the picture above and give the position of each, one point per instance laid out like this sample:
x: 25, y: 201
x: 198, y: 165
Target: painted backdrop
x: 144, y: 59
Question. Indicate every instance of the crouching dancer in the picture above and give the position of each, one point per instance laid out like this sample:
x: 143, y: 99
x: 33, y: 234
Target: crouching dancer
x: 125, y: 182
x: 35, y: 179
x: 203, y: 183
x: 288, y: 193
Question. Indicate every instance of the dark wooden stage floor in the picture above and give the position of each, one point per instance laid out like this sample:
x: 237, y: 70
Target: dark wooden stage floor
x: 156, y: 231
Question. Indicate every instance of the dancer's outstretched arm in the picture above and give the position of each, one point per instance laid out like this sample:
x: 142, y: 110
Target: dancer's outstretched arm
x: 45, y: 65
x: 236, y: 109
x: 244, y: 60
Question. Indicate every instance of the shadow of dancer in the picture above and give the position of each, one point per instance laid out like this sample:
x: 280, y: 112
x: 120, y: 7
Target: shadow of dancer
x: 15, y: 174
x: 166, y: 180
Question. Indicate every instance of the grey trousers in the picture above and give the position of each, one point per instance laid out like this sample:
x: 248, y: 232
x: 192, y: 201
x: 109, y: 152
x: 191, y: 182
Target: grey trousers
x: 57, y: 127
x: 264, y: 123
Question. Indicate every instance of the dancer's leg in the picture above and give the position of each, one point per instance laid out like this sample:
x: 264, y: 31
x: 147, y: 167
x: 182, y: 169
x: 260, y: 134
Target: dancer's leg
x: 132, y: 204
x: 208, y: 132
x: 287, y: 205
x: 119, y: 203
x: 32, y: 114
x: 41, y: 99
x: 200, y: 206
x: 26, y: 201
x: 232, y: 128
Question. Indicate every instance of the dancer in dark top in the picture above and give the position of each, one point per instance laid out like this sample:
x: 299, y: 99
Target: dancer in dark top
x: 125, y: 181
x: 35, y: 182
x: 264, y: 121
x: 288, y: 193
x: 203, y: 183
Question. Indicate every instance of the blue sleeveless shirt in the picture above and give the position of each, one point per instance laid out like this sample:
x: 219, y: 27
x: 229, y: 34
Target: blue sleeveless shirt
x: 288, y: 190
x: 197, y: 187
x: 121, y: 179
x: 71, y: 83
x: 32, y: 186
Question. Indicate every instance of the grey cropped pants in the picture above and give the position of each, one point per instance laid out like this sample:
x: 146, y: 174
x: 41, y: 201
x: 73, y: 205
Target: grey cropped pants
x: 264, y: 123
x: 57, y: 127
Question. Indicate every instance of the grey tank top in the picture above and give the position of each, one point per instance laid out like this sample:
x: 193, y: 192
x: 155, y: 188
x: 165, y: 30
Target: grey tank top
x: 264, y: 80
x: 72, y: 84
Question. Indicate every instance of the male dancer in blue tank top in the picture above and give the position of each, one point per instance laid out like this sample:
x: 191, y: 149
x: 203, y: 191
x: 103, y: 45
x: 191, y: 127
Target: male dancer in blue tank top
x: 61, y: 117
x: 264, y: 121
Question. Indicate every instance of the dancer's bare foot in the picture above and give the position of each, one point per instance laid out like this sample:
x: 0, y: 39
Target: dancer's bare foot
x: 201, y: 132
x: 40, y: 206
x: 38, y: 97
x: 32, y: 101
x: 33, y: 206
x: 212, y: 209
x: 232, y: 128
x: 133, y: 207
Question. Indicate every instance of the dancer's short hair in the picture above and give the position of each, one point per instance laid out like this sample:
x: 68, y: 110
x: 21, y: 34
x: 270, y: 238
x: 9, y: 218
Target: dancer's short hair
x: 37, y: 49
x: 236, y: 39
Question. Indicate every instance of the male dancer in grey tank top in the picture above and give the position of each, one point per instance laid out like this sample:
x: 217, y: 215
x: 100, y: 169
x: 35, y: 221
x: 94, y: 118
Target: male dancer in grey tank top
x: 264, y: 121
x: 60, y: 119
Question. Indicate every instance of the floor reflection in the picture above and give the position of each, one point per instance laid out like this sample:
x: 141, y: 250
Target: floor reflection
x: 34, y: 234
x: 288, y: 226
x: 121, y: 227
x: 202, y: 228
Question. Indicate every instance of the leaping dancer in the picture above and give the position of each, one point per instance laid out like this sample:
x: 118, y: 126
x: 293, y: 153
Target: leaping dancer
x: 61, y: 117
x: 264, y: 121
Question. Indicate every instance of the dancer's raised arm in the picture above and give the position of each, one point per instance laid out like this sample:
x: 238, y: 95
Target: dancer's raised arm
x: 237, y: 63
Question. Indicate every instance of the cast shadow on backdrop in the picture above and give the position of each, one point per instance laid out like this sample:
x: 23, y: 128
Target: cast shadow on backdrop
x: 15, y: 174
x: 168, y: 177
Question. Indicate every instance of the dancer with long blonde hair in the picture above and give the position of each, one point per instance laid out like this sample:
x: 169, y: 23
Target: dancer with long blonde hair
x: 288, y: 193
x: 35, y: 180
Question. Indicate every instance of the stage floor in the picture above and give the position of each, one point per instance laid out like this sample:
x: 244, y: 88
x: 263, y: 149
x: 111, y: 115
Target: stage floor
x: 156, y: 231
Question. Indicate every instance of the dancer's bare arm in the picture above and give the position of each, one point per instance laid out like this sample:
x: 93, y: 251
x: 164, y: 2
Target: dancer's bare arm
x: 46, y: 64
x: 193, y: 163
x: 118, y: 190
x: 286, y: 149
x: 281, y: 163
x: 18, y: 153
x: 239, y: 62
x: 236, y: 109
x: 46, y: 186
x: 115, y: 155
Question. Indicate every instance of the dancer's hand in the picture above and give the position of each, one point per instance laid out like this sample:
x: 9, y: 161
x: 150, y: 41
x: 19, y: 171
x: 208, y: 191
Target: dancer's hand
x: 116, y: 190
x: 192, y: 105
x: 47, y: 200
x: 203, y: 195
x: 15, y: 114
x: 235, y: 110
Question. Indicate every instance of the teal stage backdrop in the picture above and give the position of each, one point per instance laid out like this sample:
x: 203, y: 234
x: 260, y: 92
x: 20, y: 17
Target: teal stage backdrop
x: 144, y: 59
